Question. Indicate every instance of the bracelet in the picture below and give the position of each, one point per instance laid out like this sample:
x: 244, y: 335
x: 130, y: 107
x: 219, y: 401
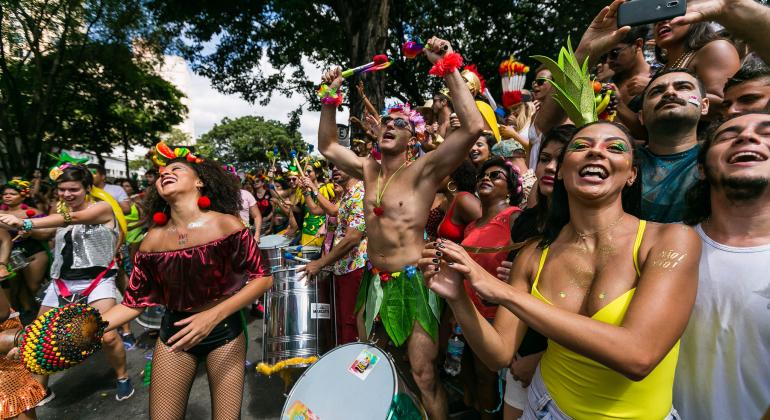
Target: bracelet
x: 64, y: 210
x: 26, y: 225
x: 329, y: 96
x: 447, y: 64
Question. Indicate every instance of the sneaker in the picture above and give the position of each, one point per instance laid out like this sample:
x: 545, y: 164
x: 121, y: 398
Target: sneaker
x: 49, y: 396
x: 125, y: 389
x: 129, y: 341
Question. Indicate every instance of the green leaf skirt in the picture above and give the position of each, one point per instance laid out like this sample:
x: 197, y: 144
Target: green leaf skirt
x: 400, y: 299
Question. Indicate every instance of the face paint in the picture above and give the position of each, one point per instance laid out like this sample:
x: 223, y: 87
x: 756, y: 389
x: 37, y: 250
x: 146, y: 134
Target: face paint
x: 578, y: 145
x: 694, y: 100
x: 617, y: 146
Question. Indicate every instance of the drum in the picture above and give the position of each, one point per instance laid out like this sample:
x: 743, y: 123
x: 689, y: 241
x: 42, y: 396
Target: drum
x: 17, y: 261
x: 272, y: 248
x: 151, y: 317
x: 353, y: 381
x: 298, y: 316
x: 299, y: 255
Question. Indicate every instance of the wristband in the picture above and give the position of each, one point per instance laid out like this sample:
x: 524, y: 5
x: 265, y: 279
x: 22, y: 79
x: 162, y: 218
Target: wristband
x: 26, y: 225
x: 447, y: 64
x: 329, y: 96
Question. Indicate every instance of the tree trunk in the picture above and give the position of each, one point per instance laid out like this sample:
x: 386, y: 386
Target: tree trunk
x: 125, y: 155
x: 366, y: 27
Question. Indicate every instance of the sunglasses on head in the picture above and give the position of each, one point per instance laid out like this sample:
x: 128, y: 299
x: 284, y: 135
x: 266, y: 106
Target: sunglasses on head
x: 492, y: 175
x: 398, y: 122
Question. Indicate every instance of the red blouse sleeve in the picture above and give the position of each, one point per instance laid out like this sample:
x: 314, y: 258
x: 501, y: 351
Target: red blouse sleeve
x: 246, y: 257
x: 142, y: 290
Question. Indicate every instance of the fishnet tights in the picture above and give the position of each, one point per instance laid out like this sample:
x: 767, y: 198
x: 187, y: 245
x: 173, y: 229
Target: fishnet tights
x: 173, y: 375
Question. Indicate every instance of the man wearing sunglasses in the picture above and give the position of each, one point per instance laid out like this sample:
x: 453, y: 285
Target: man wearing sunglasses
x: 397, y: 201
x: 626, y: 60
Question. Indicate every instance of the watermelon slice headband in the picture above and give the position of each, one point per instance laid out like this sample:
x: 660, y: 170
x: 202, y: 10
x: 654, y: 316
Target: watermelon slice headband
x: 162, y: 154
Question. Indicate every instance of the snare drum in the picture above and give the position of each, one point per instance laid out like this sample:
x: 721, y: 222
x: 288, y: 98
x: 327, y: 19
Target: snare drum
x: 272, y: 247
x: 17, y: 261
x: 353, y: 381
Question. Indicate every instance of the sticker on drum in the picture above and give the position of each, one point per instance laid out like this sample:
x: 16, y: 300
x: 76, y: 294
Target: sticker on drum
x: 364, y: 364
x: 320, y: 311
x: 299, y: 411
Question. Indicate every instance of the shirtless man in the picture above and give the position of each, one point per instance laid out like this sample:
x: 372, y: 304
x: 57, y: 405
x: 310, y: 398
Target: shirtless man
x: 396, y: 205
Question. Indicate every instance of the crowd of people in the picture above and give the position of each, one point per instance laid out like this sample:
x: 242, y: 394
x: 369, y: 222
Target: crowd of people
x: 599, y: 269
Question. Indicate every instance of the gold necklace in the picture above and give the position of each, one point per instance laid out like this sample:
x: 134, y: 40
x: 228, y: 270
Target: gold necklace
x: 378, y: 210
x: 683, y: 60
x: 602, y: 230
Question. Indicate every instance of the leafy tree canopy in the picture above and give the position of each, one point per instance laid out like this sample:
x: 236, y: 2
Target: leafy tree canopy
x: 246, y: 140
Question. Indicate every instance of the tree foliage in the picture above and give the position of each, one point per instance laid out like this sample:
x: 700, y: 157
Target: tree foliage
x: 69, y: 77
x: 283, y: 33
x: 246, y: 140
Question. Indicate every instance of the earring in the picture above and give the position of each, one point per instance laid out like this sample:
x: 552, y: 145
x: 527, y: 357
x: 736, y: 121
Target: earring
x: 159, y: 218
x: 451, y: 187
x: 204, y: 202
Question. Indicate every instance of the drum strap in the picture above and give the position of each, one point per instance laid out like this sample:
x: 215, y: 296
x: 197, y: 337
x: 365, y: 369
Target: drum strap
x: 68, y: 296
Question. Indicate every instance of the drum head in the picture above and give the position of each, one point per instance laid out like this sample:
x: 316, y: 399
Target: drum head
x: 353, y: 381
x: 273, y: 241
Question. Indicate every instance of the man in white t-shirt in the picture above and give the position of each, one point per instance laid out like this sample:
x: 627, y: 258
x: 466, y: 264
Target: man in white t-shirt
x: 724, y: 361
x: 116, y: 191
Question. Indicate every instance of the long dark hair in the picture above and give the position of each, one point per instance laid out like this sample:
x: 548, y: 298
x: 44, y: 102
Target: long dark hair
x: 221, y: 187
x: 562, y: 135
x: 558, y: 210
x: 698, y: 35
x: 512, y: 178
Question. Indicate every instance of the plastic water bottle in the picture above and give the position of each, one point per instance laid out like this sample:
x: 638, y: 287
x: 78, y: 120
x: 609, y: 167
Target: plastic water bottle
x: 454, y: 355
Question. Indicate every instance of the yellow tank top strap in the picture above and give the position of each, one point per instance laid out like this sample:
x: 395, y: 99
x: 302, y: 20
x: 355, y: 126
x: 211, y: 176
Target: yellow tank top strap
x: 637, y: 244
x: 543, y: 256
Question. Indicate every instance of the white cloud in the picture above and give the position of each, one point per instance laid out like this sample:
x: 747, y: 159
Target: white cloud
x: 208, y: 106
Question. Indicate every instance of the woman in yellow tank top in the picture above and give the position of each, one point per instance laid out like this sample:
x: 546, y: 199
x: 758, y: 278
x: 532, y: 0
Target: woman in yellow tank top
x: 612, y: 293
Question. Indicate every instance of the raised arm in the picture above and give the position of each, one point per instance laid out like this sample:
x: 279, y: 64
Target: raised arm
x: 337, y: 154
x: 655, y: 319
x: 745, y: 19
x: 455, y: 147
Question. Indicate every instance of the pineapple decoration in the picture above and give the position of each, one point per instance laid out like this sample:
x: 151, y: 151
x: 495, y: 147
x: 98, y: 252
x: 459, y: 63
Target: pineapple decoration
x: 606, y: 100
x: 514, y: 76
x: 61, y: 338
x: 573, y: 87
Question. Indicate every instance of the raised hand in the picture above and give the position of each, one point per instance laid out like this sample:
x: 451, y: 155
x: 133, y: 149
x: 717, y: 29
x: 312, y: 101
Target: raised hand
x: 603, y: 33
x: 333, y: 78
x: 436, y: 48
x: 704, y: 11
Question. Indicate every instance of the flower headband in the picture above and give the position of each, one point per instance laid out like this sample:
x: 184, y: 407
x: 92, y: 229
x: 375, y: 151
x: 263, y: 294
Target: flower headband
x: 64, y: 161
x: 162, y: 154
x: 418, y: 122
x: 19, y: 185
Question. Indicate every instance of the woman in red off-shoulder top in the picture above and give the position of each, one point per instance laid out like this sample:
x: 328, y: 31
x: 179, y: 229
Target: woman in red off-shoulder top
x: 203, y: 266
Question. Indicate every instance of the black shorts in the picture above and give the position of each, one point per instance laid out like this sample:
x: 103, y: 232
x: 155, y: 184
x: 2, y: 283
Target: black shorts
x: 29, y: 247
x: 223, y: 333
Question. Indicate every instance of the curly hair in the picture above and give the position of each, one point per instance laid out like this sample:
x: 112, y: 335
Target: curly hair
x: 219, y: 186
x: 512, y: 178
x: 464, y: 177
x: 558, y: 208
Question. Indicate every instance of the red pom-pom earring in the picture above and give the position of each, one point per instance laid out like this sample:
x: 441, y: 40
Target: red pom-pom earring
x: 30, y: 212
x: 159, y: 218
x: 204, y: 202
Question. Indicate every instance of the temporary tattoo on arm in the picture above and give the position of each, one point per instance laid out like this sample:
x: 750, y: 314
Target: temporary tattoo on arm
x: 668, y: 260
